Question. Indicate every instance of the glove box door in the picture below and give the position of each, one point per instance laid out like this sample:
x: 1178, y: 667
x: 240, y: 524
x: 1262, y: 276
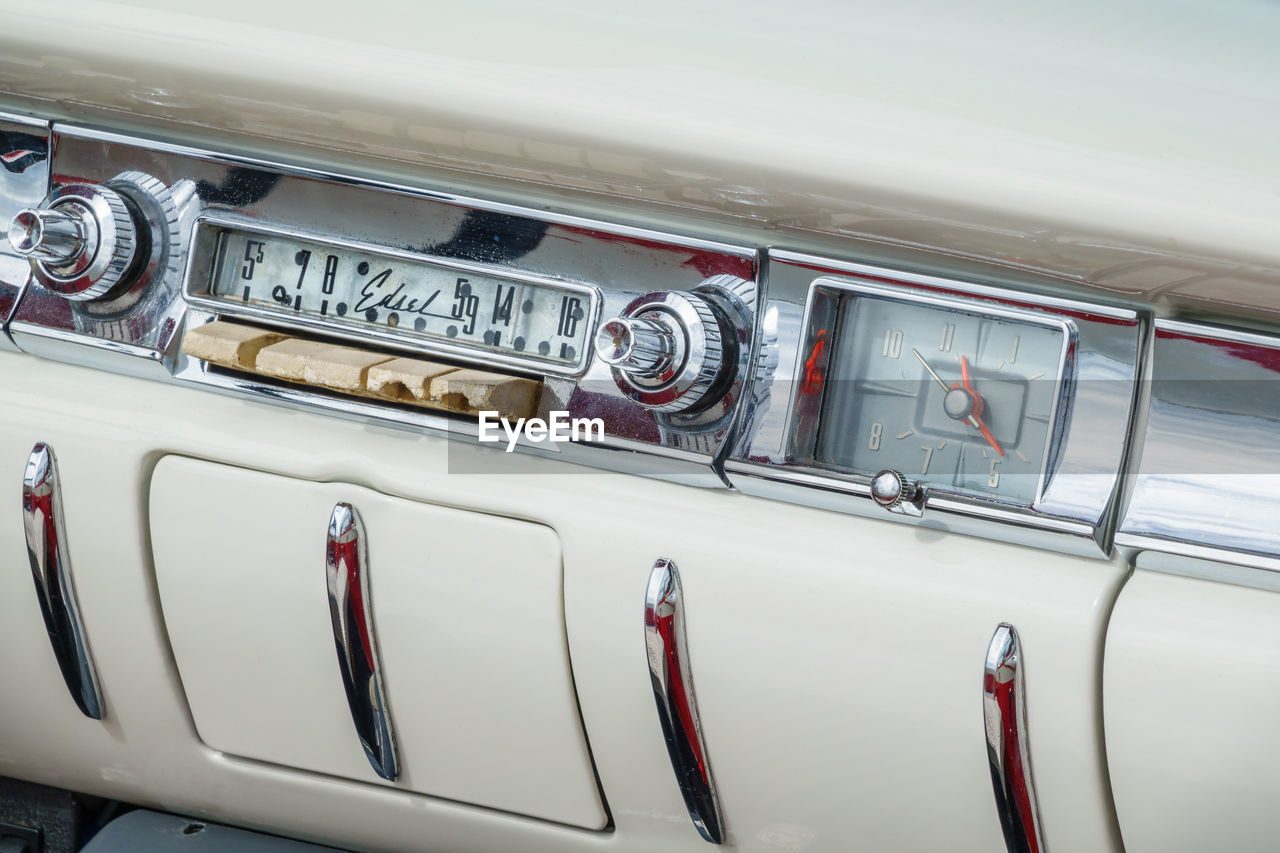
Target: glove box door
x: 467, y: 617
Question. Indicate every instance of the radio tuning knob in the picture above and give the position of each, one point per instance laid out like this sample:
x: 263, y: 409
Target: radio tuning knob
x: 666, y: 350
x: 640, y: 346
x: 82, y: 241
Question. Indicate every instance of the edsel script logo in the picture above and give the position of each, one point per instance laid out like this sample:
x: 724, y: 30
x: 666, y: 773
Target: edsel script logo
x: 559, y: 427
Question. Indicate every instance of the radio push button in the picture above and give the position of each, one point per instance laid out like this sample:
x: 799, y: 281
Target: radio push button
x: 82, y: 241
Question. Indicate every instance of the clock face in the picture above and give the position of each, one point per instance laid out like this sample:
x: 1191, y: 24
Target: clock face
x: 953, y: 396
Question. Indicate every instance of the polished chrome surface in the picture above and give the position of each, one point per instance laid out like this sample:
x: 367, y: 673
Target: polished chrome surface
x: 350, y: 608
x: 176, y: 187
x: 1205, y: 486
x: 47, y: 552
x: 24, y: 182
x: 665, y: 642
x: 1008, y: 753
x: 640, y: 347
x: 896, y: 493
x: 1074, y: 509
x: 82, y: 241
x: 674, y: 381
x: 49, y: 235
x: 78, y: 249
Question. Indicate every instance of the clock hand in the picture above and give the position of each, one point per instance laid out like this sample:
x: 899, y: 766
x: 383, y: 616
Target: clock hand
x: 975, y: 417
x: 917, y: 354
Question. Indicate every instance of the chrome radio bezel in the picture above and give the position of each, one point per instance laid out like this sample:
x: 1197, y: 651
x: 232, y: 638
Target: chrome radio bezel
x: 138, y: 331
x: 1075, y: 508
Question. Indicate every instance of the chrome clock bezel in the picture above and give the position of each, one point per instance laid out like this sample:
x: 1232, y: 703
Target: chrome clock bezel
x: 1074, y: 510
x: 820, y: 305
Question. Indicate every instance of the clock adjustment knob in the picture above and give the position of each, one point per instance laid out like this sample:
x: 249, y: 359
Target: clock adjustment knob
x: 666, y: 350
x: 894, y: 492
x: 82, y: 242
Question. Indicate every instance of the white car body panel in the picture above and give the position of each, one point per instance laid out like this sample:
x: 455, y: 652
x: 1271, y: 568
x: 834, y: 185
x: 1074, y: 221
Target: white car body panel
x: 1191, y: 685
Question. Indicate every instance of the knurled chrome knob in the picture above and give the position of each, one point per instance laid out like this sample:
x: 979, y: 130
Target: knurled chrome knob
x: 666, y: 350
x: 639, y: 346
x: 81, y: 241
x: 891, y: 489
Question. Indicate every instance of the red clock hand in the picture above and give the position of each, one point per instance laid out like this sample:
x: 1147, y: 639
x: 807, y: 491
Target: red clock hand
x: 975, y: 417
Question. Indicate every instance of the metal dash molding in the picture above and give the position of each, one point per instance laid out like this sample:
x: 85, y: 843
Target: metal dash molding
x: 1005, y: 713
x: 42, y: 520
x: 347, y: 572
x: 673, y: 690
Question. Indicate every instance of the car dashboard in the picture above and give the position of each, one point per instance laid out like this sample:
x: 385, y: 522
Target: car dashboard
x: 568, y: 447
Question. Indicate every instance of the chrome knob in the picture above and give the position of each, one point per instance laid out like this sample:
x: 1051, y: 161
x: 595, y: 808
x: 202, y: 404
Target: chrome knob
x: 82, y: 241
x: 641, y: 346
x: 49, y: 235
x: 666, y: 350
x: 891, y: 490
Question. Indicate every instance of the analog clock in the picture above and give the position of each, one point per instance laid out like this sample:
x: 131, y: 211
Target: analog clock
x: 952, y: 394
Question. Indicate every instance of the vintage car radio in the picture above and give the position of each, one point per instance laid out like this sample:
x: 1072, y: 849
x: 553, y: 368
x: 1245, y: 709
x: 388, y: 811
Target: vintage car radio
x: 385, y: 302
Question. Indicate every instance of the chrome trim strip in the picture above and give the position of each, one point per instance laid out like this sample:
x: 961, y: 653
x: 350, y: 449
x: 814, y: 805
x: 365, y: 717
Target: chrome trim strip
x: 42, y: 519
x: 1204, y: 481
x: 1008, y: 754
x: 673, y: 690
x: 1219, y: 333
x: 23, y: 328
x: 624, y: 230
x: 1206, y: 569
x: 29, y: 121
x: 1175, y: 548
x: 350, y: 608
x: 1003, y: 293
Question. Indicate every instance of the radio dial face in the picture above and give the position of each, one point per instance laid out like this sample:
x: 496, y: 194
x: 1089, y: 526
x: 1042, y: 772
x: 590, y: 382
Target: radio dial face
x: 397, y: 296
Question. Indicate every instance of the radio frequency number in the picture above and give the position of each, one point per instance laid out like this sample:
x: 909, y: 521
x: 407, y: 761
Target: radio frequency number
x: 424, y: 299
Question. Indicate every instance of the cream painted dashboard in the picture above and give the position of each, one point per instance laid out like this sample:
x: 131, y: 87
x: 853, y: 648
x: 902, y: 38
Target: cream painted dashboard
x: 1122, y: 154
x: 840, y: 695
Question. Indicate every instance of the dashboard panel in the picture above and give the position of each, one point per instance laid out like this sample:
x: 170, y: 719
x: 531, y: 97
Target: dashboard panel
x: 961, y: 391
